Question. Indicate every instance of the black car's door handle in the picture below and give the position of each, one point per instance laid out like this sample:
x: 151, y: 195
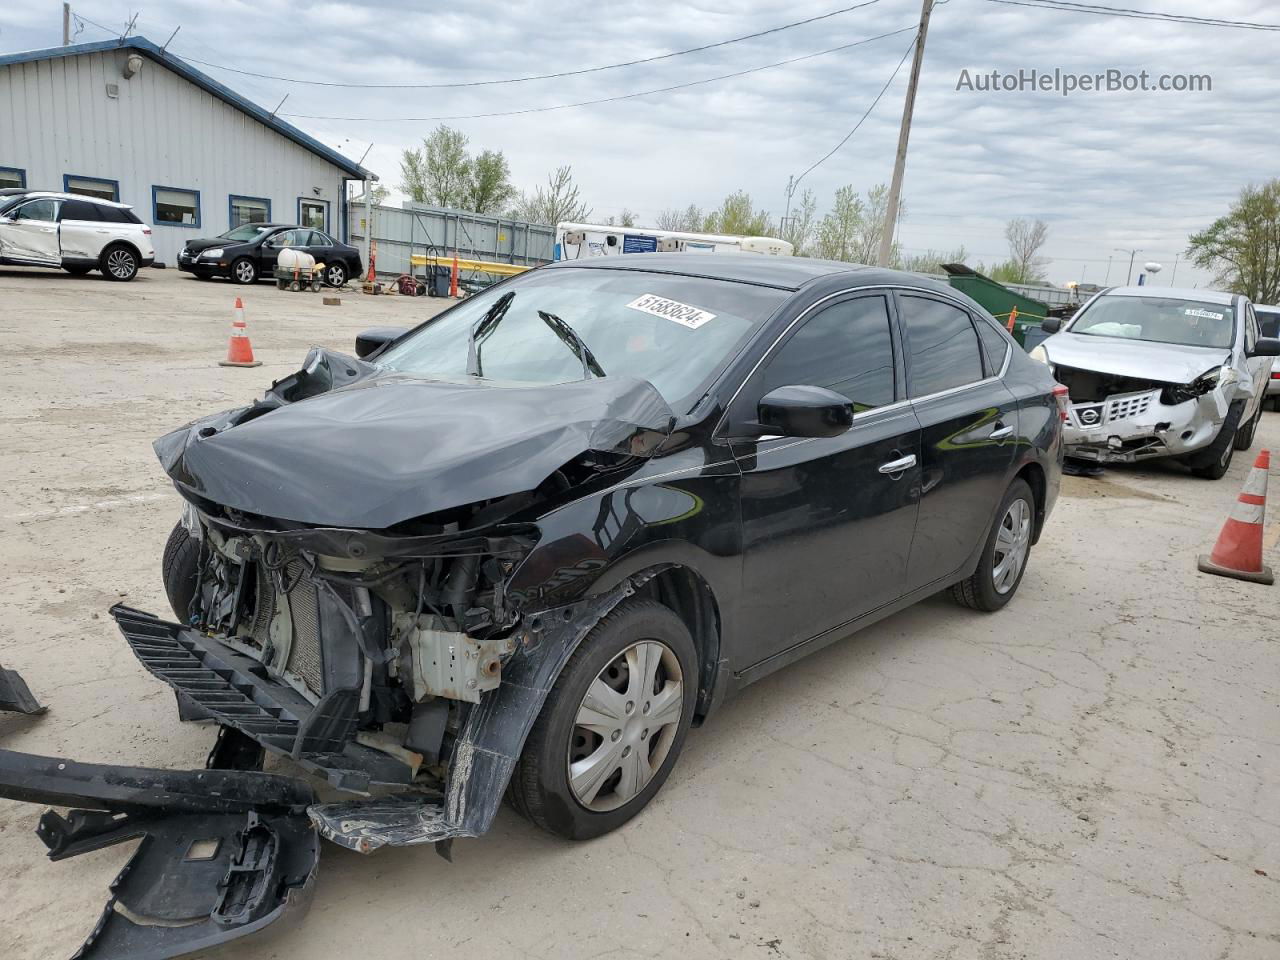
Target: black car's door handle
x: 1001, y: 431
x: 899, y: 465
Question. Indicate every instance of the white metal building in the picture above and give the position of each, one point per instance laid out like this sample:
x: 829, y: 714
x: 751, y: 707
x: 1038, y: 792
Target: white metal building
x: 128, y: 121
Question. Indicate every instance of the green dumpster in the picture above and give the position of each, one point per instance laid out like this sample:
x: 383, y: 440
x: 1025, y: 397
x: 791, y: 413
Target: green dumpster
x: 998, y: 299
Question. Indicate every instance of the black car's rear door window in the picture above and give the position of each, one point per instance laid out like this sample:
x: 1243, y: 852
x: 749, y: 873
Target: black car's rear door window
x: 941, y: 346
x: 846, y: 347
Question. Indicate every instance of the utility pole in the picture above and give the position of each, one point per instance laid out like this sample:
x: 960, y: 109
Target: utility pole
x: 900, y: 162
x: 66, y: 24
x: 1174, y: 275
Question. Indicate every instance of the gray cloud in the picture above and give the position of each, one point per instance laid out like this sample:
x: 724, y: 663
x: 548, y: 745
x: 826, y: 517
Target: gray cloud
x: 1104, y: 169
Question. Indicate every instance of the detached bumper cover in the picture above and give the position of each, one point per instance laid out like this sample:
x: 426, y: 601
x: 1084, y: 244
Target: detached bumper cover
x: 16, y: 696
x: 223, y: 854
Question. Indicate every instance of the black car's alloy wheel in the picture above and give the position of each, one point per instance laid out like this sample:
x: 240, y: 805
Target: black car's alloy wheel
x: 335, y: 274
x: 612, y: 726
x: 244, y: 271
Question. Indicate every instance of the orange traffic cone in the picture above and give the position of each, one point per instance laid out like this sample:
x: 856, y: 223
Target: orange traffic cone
x: 239, y: 350
x: 1238, y: 552
x: 453, y: 278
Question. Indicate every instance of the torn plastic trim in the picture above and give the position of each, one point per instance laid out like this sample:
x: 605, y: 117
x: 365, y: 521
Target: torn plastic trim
x: 489, y: 744
x: 224, y: 854
x: 15, y: 695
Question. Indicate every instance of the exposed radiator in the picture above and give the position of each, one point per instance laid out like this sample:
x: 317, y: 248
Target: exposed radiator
x: 306, y: 662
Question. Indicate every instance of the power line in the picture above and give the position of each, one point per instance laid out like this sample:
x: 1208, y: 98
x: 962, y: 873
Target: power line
x: 1066, y: 6
x: 614, y: 99
x: 830, y: 153
x: 540, y: 76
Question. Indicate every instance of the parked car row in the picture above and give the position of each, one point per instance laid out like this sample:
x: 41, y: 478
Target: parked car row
x: 40, y: 228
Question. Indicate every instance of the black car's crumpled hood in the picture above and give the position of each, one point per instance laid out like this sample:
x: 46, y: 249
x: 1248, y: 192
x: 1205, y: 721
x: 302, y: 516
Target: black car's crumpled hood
x: 388, y: 448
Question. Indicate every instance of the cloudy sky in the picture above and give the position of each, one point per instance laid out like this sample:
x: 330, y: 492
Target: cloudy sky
x: 1106, y: 170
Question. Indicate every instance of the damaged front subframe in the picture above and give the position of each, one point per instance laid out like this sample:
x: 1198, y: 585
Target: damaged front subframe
x: 224, y: 854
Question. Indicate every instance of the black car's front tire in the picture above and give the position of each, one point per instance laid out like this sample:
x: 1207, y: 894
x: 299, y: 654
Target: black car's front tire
x: 244, y: 270
x: 612, y: 726
x: 178, y: 570
x: 1004, y: 558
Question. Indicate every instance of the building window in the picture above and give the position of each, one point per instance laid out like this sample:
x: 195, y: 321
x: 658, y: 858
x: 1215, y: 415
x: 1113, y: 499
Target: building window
x: 175, y: 207
x: 313, y: 213
x: 92, y: 187
x: 248, y: 210
x: 11, y: 177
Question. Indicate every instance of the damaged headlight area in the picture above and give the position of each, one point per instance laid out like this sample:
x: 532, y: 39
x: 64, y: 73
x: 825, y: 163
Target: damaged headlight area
x: 1174, y: 393
x: 362, y: 648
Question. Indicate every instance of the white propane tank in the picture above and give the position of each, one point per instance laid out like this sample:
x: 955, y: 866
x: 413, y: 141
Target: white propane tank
x: 295, y: 260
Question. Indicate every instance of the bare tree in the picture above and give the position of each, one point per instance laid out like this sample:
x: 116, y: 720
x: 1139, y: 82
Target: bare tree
x: 1243, y: 247
x: 1026, y: 237
x: 670, y: 219
x: 559, y: 202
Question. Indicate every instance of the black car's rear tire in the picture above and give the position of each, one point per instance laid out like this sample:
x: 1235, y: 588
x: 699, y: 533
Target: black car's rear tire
x: 119, y: 262
x: 244, y: 270
x: 178, y: 568
x: 993, y: 585
x: 1213, y: 462
x: 616, y: 652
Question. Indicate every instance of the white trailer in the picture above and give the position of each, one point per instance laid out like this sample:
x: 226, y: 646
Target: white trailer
x: 575, y: 240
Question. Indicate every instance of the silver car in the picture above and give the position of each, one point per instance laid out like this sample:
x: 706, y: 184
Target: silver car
x: 1159, y: 372
x: 43, y: 229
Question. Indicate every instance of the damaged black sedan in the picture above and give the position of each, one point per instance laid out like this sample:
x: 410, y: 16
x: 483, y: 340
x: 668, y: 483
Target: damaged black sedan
x: 522, y: 548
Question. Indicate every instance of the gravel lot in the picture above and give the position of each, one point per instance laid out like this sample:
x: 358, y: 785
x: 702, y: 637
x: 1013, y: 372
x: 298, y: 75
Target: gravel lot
x: 1092, y: 772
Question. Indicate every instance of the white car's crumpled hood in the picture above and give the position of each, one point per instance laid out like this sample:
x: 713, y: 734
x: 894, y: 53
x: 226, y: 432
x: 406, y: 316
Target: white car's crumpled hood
x: 1165, y: 362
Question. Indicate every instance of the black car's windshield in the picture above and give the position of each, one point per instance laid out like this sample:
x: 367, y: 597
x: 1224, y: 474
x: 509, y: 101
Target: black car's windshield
x: 244, y: 232
x: 673, y: 331
x: 1189, y: 323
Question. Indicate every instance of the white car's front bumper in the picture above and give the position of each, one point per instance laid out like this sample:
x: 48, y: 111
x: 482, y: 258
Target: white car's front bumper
x: 1129, y: 427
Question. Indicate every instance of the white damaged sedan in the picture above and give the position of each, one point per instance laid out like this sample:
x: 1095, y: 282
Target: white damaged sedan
x: 1159, y: 372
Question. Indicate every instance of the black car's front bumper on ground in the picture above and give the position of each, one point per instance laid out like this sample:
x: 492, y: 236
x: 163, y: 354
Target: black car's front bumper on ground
x: 224, y: 853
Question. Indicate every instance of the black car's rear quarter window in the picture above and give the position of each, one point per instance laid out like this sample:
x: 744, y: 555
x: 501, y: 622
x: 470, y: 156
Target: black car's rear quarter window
x: 942, y: 347
x: 846, y: 347
x: 995, y: 343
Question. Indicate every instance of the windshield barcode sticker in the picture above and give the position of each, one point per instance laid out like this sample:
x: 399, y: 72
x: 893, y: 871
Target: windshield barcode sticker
x: 681, y: 313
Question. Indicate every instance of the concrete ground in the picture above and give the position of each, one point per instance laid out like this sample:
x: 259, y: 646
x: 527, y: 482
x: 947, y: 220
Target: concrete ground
x: 1092, y: 772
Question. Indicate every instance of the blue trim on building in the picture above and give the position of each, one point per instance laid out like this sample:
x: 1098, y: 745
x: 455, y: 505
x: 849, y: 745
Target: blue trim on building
x: 22, y: 174
x: 68, y: 177
x: 302, y: 200
x: 204, y: 81
x: 155, y: 219
x: 231, y: 203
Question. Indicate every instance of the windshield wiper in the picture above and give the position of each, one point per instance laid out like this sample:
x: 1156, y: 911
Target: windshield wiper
x: 483, y: 329
x: 570, y: 338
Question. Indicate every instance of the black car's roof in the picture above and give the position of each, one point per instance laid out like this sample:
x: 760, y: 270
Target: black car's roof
x: 785, y: 273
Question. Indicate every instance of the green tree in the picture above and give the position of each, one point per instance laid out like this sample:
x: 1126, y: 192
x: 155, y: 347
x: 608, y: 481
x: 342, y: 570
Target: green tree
x: 439, y: 173
x: 931, y: 261
x: 802, y: 224
x: 490, y: 188
x: 840, y: 231
x: 735, y: 217
x: 1242, y: 249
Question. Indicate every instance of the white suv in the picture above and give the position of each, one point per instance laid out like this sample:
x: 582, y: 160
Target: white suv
x: 78, y: 234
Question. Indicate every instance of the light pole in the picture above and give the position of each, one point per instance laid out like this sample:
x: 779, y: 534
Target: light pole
x: 1132, y: 253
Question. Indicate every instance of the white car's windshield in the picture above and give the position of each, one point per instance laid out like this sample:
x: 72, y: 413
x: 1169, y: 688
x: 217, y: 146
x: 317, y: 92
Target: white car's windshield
x: 1161, y: 319
x: 673, y: 331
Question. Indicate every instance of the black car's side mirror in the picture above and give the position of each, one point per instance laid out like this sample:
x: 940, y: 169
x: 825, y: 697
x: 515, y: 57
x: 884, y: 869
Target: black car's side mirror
x: 1051, y: 324
x: 1266, y: 347
x: 374, y: 339
x: 804, y: 411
